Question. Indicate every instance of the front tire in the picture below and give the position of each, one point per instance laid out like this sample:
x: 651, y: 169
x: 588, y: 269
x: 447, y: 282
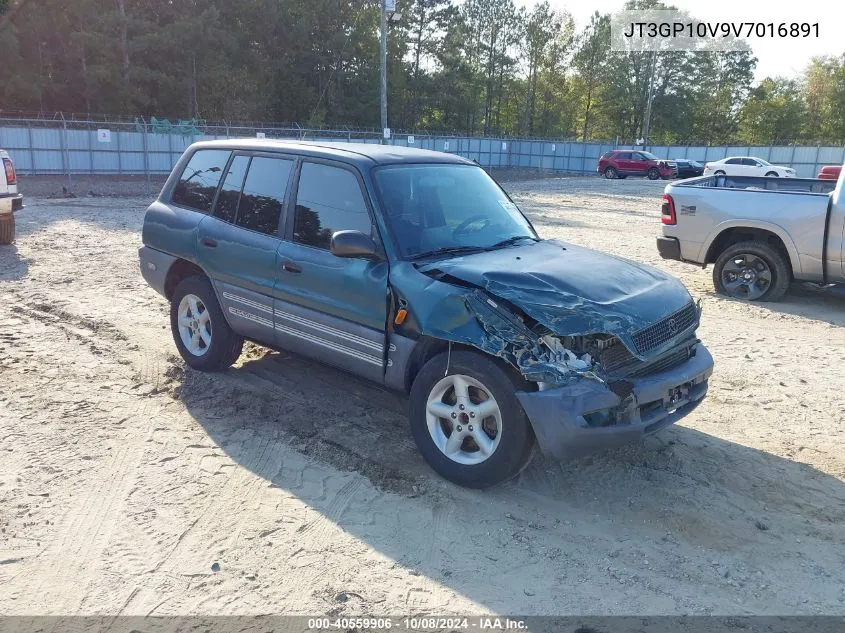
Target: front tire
x: 467, y: 422
x: 752, y: 271
x: 610, y: 173
x: 200, y: 330
x: 7, y: 228
x: 772, y: 174
x: 653, y: 173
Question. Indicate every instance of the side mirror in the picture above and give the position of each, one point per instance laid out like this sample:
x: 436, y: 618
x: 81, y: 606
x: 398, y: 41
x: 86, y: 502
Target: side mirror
x: 354, y: 244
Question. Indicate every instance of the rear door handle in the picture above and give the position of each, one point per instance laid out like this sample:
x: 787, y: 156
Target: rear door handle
x: 291, y: 267
x: 207, y: 241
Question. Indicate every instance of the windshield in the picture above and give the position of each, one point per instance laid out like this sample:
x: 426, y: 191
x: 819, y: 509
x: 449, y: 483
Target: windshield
x: 761, y: 161
x: 649, y: 155
x: 435, y: 207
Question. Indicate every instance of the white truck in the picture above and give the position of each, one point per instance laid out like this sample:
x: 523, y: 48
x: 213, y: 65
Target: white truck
x: 759, y: 233
x: 10, y: 200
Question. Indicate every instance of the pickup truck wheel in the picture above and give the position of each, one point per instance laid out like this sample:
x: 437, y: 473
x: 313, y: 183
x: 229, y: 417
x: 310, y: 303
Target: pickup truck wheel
x: 7, y: 228
x: 752, y: 271
x: 610, y: 173
x: 467, y: 421
x: 653, y: 174
x: 200, y: 330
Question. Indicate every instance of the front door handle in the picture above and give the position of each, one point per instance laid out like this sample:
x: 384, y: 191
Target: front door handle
x: 207, y: 241
x: 291, y: 267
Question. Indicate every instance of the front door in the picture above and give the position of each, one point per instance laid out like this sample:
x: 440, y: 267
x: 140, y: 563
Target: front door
x: 330, y: 308
x: 238, y: 245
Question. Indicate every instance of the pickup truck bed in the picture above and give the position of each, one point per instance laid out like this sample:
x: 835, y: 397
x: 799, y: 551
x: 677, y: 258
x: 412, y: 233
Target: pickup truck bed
x: 797, y: 222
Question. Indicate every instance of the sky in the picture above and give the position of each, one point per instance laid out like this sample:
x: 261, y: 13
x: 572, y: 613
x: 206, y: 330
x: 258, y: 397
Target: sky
x: 776, y: 56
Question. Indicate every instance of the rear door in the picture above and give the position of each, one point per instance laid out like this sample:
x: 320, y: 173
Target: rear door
x: 238, y: 245
x: 330, y: 308
x: 734, y: 167
x: 624, y: 162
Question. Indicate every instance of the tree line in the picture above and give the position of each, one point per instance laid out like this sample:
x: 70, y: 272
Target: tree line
x: 469, y: 67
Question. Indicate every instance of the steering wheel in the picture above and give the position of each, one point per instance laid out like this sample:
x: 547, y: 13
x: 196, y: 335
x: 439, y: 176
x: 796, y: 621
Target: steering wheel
x: 462, y: 227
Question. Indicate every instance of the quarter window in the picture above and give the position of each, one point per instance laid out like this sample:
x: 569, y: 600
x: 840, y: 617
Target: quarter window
x: 198, y: 182
x: 263, y: 194
x: 230, y: 192
x: 329, y: 199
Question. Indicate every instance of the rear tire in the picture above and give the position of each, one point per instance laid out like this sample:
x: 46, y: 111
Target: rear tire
x: 214, y: 346
x: 489, y: 410
x: 7, y: 228
x: 719, y: 173
x: 774, y: 264
x: 610, y: 173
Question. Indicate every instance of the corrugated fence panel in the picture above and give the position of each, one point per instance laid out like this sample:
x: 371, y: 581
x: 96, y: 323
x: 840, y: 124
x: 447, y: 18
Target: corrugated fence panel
x: 131, y: 150
x: 832, y: 155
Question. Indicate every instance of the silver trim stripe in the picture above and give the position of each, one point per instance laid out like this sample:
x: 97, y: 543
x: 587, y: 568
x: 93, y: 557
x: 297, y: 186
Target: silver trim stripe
x: 333, y: 346
x: 309, y: 337
x: 251, y: 317
x: 248, y: 302
x: 330, y: 330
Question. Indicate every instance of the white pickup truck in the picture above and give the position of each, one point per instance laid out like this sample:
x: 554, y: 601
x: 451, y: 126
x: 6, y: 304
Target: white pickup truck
x: 10, y: 199
x: 759, y: 233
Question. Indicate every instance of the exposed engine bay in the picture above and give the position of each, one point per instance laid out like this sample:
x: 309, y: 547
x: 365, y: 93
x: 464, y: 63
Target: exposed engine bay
x: 550, y: 360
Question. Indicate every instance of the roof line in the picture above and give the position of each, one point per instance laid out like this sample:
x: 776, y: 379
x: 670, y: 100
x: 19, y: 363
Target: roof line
x: 332, y: 147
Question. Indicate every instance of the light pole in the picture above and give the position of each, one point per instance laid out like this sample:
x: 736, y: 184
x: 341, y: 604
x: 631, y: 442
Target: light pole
x: 647, y: 122
x: 388, y: 8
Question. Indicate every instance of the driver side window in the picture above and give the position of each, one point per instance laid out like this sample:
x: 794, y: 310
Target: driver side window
x: 329, y: 199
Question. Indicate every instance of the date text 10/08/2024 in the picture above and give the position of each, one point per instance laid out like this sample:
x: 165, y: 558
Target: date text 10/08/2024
x: 418, y: 623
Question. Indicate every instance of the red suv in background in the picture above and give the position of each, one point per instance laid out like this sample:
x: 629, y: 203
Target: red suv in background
x: 621, y: 163
x: 829, y: 172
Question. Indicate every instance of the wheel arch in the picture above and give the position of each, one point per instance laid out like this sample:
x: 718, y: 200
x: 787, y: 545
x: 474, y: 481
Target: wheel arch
x: 427, y: 347
x: 179, y: 270
x: 730, y: 233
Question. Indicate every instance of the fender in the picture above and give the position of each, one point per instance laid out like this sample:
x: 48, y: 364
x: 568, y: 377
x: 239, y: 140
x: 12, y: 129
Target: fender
x: 794, y: 260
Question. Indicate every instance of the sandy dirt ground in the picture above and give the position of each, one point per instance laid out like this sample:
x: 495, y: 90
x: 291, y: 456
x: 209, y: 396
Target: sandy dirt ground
x: 130, y: 485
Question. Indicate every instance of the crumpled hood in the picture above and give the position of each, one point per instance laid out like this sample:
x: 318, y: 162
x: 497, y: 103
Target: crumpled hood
x: 569, y: 289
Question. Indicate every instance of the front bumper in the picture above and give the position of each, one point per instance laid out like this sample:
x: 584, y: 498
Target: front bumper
x: 669, y: 248
x: 10, y: 203
x: 656, y: 401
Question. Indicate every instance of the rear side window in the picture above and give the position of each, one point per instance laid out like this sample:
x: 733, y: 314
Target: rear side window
x: 733, y: 161
x: 263, y: 194
x: 230, y: 192
x: 623, y: 156
x: 329, y: 199
x: 198, y: 182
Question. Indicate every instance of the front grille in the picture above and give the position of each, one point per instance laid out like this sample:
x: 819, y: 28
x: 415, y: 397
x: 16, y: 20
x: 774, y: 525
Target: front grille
x: 656, y: 334
x: 674, y: 359
x: 615, y: 357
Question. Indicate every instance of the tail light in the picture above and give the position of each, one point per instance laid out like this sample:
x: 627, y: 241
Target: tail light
x: 668, y: 210
x: 706, y: 165
x: 11, y: 176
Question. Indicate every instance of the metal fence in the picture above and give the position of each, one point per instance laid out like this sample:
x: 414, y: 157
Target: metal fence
x: 65, y: 146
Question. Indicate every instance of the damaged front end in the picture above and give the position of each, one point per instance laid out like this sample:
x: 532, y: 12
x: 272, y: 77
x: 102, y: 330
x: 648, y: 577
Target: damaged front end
x: 592, y: 391
x: 552, y: 359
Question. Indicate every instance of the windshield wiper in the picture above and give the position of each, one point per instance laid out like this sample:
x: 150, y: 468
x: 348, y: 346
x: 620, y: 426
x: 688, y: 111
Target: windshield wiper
x: 449, y: 250
x: 513, y: 240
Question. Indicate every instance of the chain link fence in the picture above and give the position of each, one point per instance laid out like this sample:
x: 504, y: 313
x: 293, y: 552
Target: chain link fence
x: 67, y: 145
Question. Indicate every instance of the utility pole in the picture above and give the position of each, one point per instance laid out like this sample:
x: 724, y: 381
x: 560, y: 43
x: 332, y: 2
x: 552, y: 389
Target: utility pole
x: 647, y: 122
x: 384, y: 8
